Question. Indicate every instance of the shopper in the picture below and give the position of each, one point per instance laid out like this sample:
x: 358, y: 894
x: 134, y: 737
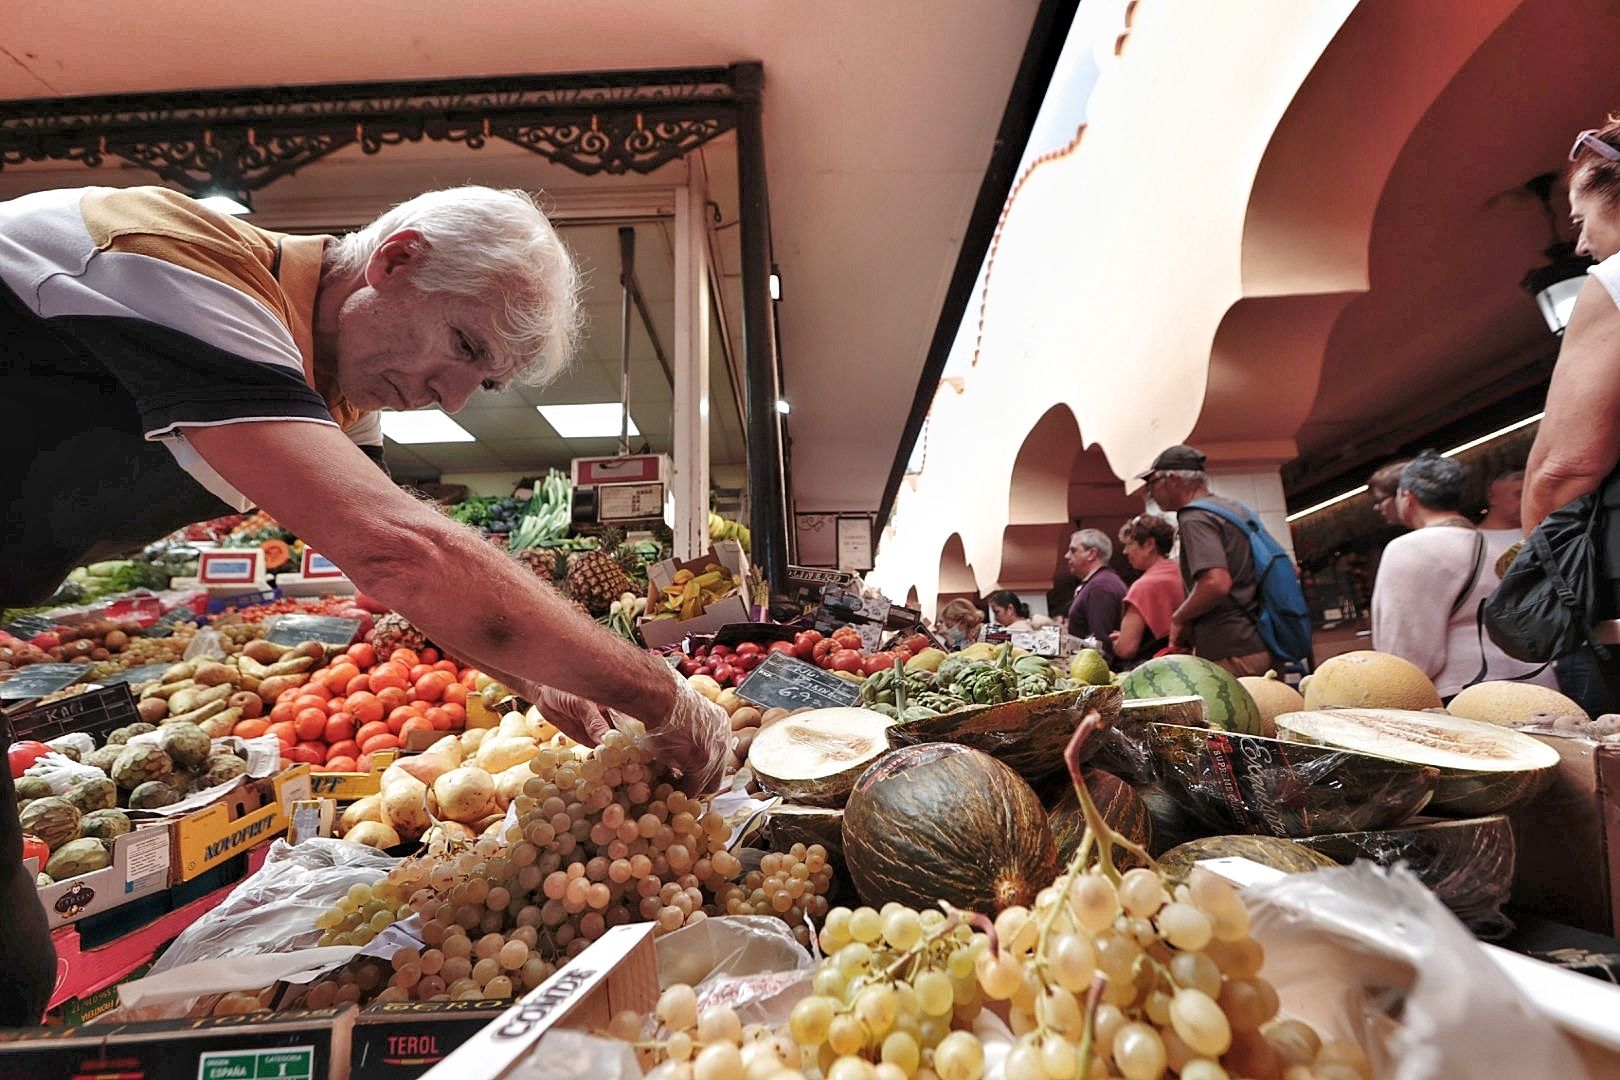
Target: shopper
x: 1219, y: 618
x: 1503, y: 496
x: 1151, y: 601
x: 959, y: 623
x: 1381, y: 486
x: 1578, y: 443
x: 1431, y: 580
x: 1007, y: 611
x: 1094, y: 613
x: 168, y: 364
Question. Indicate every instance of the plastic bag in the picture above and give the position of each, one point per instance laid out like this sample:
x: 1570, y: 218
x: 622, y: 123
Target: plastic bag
x: 1369, y: 954
x: 563, y: 1054
x: 209, y: 643
x: 749, y: 962
x: 1247, y: 784
x: 275, y: 909
x: 62, y: 772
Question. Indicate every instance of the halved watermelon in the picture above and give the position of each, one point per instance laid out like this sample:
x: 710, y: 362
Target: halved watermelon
x: 1484, y: 768
x: 1251, y: 784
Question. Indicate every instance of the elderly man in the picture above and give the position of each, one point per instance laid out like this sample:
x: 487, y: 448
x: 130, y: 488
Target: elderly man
x: 1218, y: 619
x: 164, y: 363
x: 1095, y: 611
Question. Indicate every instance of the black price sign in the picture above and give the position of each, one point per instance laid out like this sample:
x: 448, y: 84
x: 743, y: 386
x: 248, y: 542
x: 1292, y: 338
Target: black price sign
x: 41, y: 679
x: 26, y: 626
x: 293, y: 629
x: 784, y: 682
x: 95, y: 712
x: 131, y: 676
x: 166, y: 626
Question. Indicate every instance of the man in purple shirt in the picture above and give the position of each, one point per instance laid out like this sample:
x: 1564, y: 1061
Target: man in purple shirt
x: 1096, y: 608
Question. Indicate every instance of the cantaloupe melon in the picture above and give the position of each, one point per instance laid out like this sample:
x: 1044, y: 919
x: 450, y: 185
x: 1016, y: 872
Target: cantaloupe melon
x: 1369, y: 680
x: 1511, y: 703
x: 1272, y: 697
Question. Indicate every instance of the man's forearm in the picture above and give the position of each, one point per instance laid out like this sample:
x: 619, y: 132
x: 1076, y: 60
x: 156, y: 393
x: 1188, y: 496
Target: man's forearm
x: 1201, y: 601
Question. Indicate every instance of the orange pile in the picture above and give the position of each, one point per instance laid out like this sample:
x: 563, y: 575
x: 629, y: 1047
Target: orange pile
x: 356, y: 705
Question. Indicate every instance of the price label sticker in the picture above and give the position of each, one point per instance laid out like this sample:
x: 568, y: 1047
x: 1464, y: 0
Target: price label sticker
x: 785, y: 682
x: 147, y: 853
x: 326, y: 629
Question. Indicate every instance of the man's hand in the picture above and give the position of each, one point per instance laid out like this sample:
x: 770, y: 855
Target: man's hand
x: 1178, y: 633
x: 583, y: 721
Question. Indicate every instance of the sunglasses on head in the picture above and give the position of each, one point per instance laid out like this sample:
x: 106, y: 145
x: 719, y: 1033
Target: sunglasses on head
x: 1588, y: 140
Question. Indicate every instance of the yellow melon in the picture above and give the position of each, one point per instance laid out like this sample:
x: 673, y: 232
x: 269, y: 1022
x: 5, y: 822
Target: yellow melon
x: 1273, y: 697
x: 1369, y: 680
x: 1511, y: 703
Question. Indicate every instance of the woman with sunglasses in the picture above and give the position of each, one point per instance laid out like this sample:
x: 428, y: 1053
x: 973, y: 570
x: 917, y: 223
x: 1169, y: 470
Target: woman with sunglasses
x: 1578, y: 444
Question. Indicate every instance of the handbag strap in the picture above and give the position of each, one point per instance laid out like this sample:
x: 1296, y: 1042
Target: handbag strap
x: 1473, y: 575
x: 1484, y: 661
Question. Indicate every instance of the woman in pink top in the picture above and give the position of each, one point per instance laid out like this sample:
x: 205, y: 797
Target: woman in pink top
x: 1144, y: 626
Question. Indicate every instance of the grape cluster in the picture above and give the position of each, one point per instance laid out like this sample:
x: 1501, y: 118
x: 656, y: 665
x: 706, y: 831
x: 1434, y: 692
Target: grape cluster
x: 792, y: 884
x: 1124, y: 975
x: 599, y: 840
x: 893, y: 999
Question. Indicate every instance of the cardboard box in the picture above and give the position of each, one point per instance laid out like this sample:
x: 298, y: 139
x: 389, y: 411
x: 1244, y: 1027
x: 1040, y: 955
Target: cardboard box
x: 349, y: 786
x: 1569, y: 839
x: 141, y: 866
x: 246, y: 817
x: 619, y: 971
x: 305, y: 1044
x: 736, y: 608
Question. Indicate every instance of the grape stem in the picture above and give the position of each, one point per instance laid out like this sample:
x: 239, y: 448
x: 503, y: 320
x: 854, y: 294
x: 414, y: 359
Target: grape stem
x: 1090, y: 726
x: 1088, y: 1035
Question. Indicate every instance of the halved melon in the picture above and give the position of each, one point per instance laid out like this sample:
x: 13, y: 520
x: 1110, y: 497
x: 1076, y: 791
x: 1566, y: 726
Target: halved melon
x: 1279, y: 853
x: 1029, y: 734
x: 1484, y: 768
x: 815, y: 757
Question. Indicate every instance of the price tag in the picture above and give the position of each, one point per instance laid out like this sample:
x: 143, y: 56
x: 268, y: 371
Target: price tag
x: 166, y: 626
x: 326, y: 629
x: 41, y: 679
x: 230, y: 566
x: 131, y: 676
x: 317, y: 565
x: 1047, y: 641
x: 788, y: 683
x: 629, y: 502
x: 26, y: 626
x: 95, y: 712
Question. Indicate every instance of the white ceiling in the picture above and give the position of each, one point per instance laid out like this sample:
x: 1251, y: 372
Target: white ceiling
x: 879, y: 123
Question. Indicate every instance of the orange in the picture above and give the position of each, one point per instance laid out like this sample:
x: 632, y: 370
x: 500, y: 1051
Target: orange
x: 375, y: 727
x: 340, y: 763
x: 450, y: 666
x: 347, y: 748
x: 339, y: 727
x: 310, y: 701
x: 455, y: 694
x: 358, y: 683
x: 338, y: 676
x: 380, y: 742
x: 282, y: 712
x: 365, y: 707
x: 362, y: 655
x: 386, y: 675
x: 438, y: 718
x: 456, y: 713
x: 430, y: 655
x: 397, y: 718
x: 284, y: 731
x: 432, y: 685
x: 393, y: 697
x: 250, y: 729
x: 414, y: 724
x: 310, y: 723
x: 406, y: 658
x: 305, y: 753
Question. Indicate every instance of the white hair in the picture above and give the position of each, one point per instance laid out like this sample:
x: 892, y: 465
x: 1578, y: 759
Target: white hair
x: 483, y: 244
x: 1097, y: 541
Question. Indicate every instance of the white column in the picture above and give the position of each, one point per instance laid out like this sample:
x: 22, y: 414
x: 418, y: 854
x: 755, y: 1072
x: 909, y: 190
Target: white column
x: 690, y: 486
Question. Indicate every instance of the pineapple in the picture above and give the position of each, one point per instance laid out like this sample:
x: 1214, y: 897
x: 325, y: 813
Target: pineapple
x: 394, y: 631
x: 541, y: 561
x: 596, y: 580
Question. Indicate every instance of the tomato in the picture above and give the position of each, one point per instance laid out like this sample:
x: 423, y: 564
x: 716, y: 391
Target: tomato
x: 25, y: 753
x: 746, y: 663
x: 804, y: 643
x: 783, y: 647
x: 305, y: 754
x: 848, y: 637
x: 847, y: 660
x: 822, y: 653
x: 47, y: 641
x: 749, y: 648
x: 690, y: 666
x: 35, y: 848
x: 877, y: 662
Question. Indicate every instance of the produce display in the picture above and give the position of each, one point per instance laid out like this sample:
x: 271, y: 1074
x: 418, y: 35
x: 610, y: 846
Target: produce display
x: 1366, y: 679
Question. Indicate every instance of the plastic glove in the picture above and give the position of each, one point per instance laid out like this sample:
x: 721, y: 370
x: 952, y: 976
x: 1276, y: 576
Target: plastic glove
x: 581, y: 720
x: 693, y: 739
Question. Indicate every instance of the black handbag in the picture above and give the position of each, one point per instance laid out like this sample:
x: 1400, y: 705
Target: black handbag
x: 1549, y: 597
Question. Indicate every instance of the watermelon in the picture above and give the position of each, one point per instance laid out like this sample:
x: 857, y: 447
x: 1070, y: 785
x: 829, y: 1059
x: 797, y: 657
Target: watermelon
x: 1119, y: 806
x: 943, y: 821
x: 1289, y: 856
x: 1227, y: 705
x: 1251, y: 784
x: 1468, y: 863
x: 1028, y: 734
x: 1483, y: 768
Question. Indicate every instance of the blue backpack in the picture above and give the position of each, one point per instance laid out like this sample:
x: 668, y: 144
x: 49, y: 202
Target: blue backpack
x: 1284, y: 620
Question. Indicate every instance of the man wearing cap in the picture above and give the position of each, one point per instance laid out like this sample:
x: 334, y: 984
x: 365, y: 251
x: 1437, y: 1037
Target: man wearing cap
x: 1217, y: 620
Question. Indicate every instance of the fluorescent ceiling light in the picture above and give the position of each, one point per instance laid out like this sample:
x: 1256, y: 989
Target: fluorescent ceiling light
x: 224, y: 204
x: 1453, y: 452
x: 597, y: 420
x: 424, y: 426
x: 782, y: 406
x: 776, y: 285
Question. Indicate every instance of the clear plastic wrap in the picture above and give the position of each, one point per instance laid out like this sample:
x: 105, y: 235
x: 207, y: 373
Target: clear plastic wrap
x: 749, y: 962
x: 563, y: 1054
x: 275, y: 909
x: 1028, y: 734
x: 1369, y: 954
x: 1248, y: 784
x: 1467, y: 863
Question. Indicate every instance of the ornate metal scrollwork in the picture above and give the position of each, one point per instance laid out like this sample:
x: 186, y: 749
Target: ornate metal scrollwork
x: 241, y: 140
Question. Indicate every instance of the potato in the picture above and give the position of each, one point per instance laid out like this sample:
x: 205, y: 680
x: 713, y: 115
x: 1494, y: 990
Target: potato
x: 465, y: 794
x: 366, y: 809
x: 772, y: 715
x: 404, y: 806
x: 249, y: 703
x: 745, y: 717
x: 152, y: 709
x: 373, y: 834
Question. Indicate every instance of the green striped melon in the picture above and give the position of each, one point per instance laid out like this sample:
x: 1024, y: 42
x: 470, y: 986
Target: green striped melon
x: 1227, y: 705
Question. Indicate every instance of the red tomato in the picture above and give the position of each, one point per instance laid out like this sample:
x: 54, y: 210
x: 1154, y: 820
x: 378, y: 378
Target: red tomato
x: 690, y: 666
x: 848, y: 637
x: 725, y: 674
x: 25, y: 753
x: 47, y: 641
x: 306, y: 753
x: 720, y: 650
x: 877, y: 662
x: 749, y: 648
x: 783, y: 647
x: 804, y: 643
x: 846, y: 660
x: 35, y: 848
x: 746, y: 662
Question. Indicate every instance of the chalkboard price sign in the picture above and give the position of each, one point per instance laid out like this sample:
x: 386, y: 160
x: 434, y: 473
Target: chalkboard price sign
x: 41, y: 679
x: 95, y: 712
x: 783, y: 682
x: 292, y: 629
x: 26, y: 626
x: 131, y: 676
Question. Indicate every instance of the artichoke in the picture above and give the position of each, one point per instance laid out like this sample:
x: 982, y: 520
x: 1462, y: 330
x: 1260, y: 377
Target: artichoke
x: 77, y: 857
x: 54, y: 820
x: 139, y: 764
